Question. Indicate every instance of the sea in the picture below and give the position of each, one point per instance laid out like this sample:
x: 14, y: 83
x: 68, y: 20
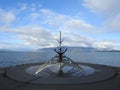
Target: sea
x: 17, y: 58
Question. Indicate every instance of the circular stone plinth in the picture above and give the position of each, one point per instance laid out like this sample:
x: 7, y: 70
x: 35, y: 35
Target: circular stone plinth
x: 52, y: 70
x: 19, y: 73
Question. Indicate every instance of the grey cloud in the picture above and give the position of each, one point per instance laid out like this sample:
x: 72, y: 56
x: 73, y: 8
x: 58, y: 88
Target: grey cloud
x: 104, y: 7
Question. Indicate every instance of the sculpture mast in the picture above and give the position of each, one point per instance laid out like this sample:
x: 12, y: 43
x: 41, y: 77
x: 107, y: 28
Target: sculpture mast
x: 60, y: 52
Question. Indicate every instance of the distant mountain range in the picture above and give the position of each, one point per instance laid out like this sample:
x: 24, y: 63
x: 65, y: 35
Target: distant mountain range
x: 80, y: 49
x: 108, y: 51
x: 5, y: 50
x: 70, y: 49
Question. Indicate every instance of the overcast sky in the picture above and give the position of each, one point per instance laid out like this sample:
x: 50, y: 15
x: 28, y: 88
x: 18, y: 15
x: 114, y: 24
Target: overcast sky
x: 33, y: 24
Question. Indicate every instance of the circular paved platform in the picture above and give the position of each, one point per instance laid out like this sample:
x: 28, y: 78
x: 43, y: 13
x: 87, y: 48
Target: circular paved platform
x: 19, y: 73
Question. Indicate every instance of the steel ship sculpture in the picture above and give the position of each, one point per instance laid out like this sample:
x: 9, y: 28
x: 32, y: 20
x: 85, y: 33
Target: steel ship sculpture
x: 60, y: 65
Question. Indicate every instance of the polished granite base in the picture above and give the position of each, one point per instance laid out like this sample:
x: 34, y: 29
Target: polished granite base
x: 23, y: 74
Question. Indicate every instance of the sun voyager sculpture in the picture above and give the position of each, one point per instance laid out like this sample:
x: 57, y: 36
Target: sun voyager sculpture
x: 60, y: 65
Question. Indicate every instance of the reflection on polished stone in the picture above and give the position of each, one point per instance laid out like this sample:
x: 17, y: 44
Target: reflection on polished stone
x: 53, y: 70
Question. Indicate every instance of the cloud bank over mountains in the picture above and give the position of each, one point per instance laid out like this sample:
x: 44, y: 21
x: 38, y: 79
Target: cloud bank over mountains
x: 33, y: 26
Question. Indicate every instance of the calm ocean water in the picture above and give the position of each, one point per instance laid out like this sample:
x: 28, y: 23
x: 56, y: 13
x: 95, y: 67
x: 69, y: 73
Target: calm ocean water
x: 17, y: 58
